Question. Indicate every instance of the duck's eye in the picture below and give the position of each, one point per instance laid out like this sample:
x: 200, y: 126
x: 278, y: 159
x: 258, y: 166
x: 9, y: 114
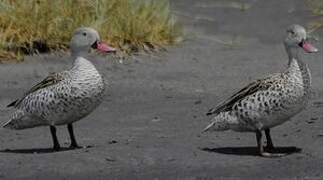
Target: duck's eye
x: 292, y: 32
x: 84, y: 34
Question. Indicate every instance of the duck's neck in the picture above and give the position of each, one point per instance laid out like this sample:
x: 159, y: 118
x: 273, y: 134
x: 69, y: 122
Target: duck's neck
x: 293, y: 54
x: 79, y: 53
x: 296, y: 67
x: 294, y: 57
x: 80, y: 63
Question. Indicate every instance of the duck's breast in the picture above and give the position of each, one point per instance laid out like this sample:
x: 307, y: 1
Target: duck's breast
x: 86, y: 91
x: 71, y: 99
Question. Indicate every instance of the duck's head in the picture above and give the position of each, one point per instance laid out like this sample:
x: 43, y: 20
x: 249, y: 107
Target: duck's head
x: 85, y: 38
x: 297, y: 37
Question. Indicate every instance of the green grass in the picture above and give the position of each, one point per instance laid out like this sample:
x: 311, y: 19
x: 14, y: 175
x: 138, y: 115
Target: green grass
x: 33, y: 26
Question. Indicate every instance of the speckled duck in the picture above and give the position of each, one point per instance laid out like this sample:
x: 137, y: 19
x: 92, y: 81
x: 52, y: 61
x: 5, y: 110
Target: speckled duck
x: 271, y: 101
x: 65, y: 97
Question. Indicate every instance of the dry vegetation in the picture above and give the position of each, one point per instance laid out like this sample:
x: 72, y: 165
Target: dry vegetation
x: 34, y: 26
x: 317, y: 8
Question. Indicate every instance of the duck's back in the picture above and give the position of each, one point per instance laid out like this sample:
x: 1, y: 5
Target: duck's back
x: 267, y: 102
x: 284, y: 97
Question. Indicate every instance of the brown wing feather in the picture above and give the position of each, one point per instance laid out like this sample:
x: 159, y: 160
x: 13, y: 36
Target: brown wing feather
x: 50, y: 80
x: 251, y: 88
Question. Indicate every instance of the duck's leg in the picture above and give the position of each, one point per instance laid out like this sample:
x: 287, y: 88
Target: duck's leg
x: 71, y: 132
x: 259, y: 143
x: 270, y: 145
x: 261, y: 148
x: 56, y: 146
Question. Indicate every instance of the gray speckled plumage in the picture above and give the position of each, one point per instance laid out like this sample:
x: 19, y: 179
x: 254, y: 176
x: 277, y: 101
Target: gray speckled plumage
x: 64, y: 97
x: 76, y: 94
x: 271, y: 101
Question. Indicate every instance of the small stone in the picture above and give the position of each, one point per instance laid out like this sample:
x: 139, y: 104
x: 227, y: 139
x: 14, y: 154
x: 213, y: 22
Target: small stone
x: 113, y: 142
x: 162, y: 136
x: 198, y: 102
x: 171, y: 159
x: 110, y: 159
x: 310, y: 122
x: 156, y: 119
x: 88, y: 146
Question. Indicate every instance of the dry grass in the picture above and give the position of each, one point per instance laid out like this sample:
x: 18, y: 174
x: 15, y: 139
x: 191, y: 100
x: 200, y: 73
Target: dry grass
x: 34, y: 26
x: 317, y: 8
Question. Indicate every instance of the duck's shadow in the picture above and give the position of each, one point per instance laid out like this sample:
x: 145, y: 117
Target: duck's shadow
x: 40, y: 150
x: 251, y: 151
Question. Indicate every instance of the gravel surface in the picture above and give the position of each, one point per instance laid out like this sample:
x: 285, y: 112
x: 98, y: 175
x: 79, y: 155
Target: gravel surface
x: 149, y: 125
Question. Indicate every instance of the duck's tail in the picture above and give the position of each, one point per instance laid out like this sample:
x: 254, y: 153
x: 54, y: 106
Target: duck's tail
x: 21, y: 120
x: 221, y: 122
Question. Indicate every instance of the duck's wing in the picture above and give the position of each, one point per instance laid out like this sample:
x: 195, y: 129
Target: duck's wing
x: 258, y: 85
x: 50, y: 80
